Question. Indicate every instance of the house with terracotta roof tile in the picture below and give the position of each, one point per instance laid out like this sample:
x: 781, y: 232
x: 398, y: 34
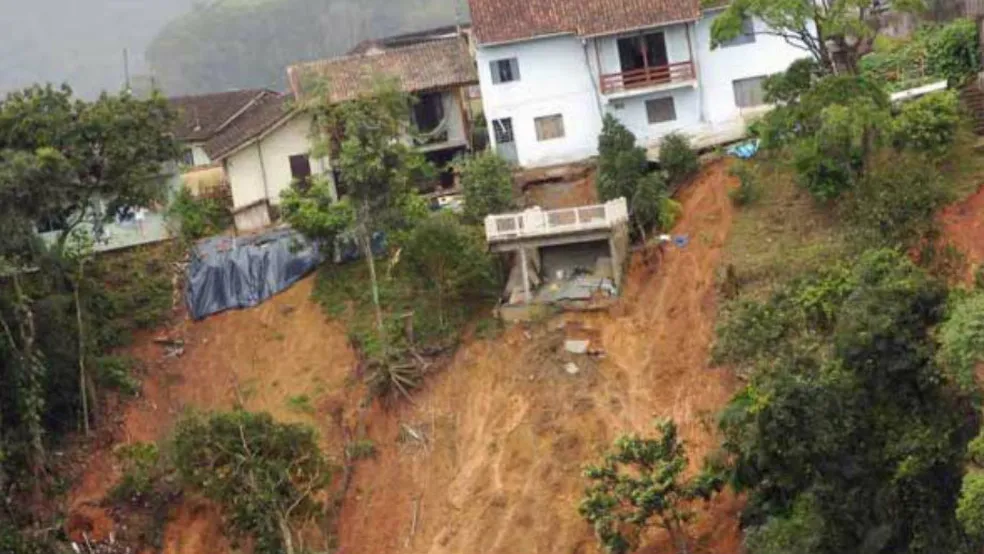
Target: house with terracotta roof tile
x: 551, y: 69
x: 268, y: 146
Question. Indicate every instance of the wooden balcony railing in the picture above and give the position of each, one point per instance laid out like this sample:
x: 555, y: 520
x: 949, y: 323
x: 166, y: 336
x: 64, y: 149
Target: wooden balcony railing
x: 647, y: 77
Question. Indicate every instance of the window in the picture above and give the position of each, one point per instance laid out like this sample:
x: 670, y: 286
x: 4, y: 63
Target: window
x: 428, y: 111
x: 503, y: 130
x: 549, y: 127
x: 642, y: 51
x: 300, y: 168
x: 747, y: 35
x: 749, y: 92
x: 505, y: 71
x: 187, y: 157
x: 661, y: 110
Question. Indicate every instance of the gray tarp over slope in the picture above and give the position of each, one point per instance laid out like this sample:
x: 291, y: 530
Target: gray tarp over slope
x: 240, y: 272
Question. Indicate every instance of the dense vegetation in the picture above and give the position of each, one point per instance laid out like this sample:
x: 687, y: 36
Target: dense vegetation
x: 62, y: 310
x: 238, y: 44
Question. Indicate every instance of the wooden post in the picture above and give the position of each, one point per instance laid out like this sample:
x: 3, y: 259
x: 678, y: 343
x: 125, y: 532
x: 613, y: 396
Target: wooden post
x: 526, y: 275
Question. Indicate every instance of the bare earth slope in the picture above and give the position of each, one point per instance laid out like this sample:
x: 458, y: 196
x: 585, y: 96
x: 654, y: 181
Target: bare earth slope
x: 488, y: 458
x: 509, y: 430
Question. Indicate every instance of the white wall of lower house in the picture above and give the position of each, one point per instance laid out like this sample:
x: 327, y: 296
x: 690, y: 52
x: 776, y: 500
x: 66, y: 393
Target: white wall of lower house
x: 198, y: 156
x: 554, y: 79
x: 631, y: 111
x: 261, y: 169
x: 719, y: 68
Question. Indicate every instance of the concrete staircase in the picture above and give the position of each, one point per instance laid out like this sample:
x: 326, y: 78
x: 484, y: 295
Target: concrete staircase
x: 973, y: 99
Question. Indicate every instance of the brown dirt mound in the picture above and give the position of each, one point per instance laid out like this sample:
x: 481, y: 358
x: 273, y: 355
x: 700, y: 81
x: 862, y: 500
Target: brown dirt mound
x: 963, y: 225
x: 508, y: 430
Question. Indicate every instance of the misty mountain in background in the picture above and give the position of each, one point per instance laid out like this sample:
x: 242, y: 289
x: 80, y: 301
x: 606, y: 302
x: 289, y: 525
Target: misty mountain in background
x: 233, y: 44
x: 78, y: 41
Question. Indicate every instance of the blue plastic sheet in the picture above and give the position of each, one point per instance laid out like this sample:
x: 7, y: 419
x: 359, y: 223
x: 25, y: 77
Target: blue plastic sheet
x: 744, y: 150
x: 228, y: 273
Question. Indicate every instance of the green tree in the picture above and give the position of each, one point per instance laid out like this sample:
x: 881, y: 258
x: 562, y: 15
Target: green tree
x: 640, y: 481
x: 448, y: 259
x: 111, y: 152
x: 849, y: 25
x: 928, y: 125
x: 623, y: 173
x: 854, y: 440
x: 621, y: 164
x: 962, y: 339
x: 267, y: 475
x: 677, y: 158
x: 377, y: 168
x: 488, y: 185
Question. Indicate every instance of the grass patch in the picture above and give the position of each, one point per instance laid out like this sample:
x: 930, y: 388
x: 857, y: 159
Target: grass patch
x: 784, y: 233
x: 344, y: 293
x: 301, y: 403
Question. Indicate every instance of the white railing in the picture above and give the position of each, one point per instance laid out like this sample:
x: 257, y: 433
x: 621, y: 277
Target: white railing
x: 537, y: 223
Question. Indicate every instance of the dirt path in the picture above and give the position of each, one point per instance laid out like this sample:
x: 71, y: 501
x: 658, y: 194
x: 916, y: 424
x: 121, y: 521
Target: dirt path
x: 508, y: 430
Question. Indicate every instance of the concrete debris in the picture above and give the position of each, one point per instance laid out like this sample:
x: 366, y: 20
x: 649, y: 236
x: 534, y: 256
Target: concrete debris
x: 576, y: 346
x: 571, y: 368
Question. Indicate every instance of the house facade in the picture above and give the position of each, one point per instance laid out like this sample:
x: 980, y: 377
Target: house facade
x: 550, y: 70
x: 267, y: 147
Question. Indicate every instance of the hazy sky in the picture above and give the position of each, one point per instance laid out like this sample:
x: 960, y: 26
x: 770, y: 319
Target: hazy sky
x: 78, y: 41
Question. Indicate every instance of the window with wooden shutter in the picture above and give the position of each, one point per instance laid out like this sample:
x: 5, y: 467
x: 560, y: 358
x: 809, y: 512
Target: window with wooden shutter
x: 549, y: 127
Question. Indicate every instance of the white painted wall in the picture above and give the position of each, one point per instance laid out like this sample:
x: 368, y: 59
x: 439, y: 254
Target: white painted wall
x: 631, y: 112
x: 718, y: 68
x: 554, y: 78
x: 252, y: 180
x: 561, y: 75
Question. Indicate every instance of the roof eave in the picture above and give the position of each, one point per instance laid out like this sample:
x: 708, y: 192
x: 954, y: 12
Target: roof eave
x: 262, y: 134
x: 642, y: 28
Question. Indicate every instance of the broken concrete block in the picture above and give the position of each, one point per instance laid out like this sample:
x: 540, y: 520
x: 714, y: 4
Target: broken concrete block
x: 576, y: 346
x: 572, y: 369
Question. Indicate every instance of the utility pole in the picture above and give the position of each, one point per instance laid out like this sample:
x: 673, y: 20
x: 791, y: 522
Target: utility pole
x: 126, y: 70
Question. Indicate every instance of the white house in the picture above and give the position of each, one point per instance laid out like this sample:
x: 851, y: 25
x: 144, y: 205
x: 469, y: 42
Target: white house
x: 267, y: 147
x: 203, y: 116
x: 551, y: 69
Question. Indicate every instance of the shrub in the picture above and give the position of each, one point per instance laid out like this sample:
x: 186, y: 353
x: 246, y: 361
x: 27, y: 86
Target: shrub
x: 895, y: 202
x: 263, y: 473
x: 970, y: 507
x: 360, y: 449
x: 748, y: 190
x: 488, y: 185
x: 962, y: 339
x: 621, y: 164
x: 141, y: 468
x: 640, y: 480
x: 953, y: 51
x: 928, y: 124
x: 198, y: 217
x: 677, y: 158
x: 116, y: 372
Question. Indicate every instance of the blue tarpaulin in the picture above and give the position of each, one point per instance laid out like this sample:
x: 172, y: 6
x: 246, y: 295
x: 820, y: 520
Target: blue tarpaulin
x: 235, y: 272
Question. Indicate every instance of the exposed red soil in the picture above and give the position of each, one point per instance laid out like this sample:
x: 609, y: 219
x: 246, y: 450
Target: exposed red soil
x: 963, y: 227
x: 264, y: 357
x: 506, y: 430
x: 509, y: 431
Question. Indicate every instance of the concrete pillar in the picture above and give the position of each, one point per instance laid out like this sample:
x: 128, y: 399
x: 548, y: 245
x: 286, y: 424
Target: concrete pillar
x: 526, y: 275
x: 615, y: 257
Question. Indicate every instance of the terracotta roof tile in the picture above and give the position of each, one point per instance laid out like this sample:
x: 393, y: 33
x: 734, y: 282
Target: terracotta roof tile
x: 430, y: 65
x: 261, y: 116
x: 203, y: 115
x: 495, y: 21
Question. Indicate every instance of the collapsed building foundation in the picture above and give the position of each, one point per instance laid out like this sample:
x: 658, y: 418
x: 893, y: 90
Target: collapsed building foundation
x: 570, y: 258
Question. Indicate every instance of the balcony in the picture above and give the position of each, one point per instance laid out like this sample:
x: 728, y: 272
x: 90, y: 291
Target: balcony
x: 648, y: 77
x: 537, y: 223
